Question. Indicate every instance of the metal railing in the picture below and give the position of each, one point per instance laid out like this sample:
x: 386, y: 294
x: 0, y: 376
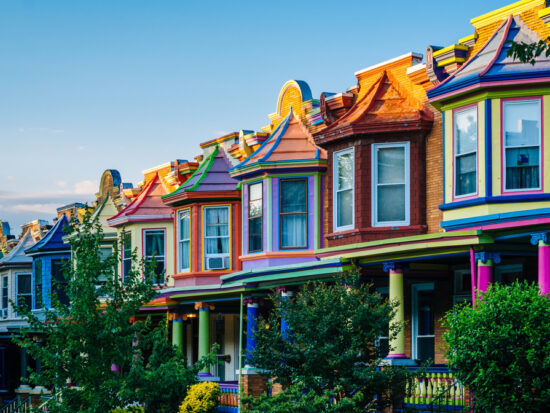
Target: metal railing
x: 17, y: 406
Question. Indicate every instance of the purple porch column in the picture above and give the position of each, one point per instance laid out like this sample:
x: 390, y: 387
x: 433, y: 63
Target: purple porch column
x: 541, y: 239
x: 485, y: 263
x: 252, y: 307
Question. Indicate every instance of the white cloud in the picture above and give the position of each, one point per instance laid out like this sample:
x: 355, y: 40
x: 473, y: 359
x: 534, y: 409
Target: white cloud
x: 61, y: 184
x: 10, y: 177
x: 81, y: 148
x: 38, y: 208
x: 45, y: 130
x: 86, y: 187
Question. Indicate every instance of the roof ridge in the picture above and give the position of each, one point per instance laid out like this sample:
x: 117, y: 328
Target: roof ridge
x: 208, y: 164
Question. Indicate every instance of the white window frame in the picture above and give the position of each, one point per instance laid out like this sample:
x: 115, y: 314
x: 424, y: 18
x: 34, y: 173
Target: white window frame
x: 504, y: 147
x: 17, y: 274
x: 455, y: 155
x: 205, y: 255
x: 415, y: 289
x: 158, y: 257
x: 181, y: 241
x: 5, y: 279
x: 375, y: 184
x: 335, y: 190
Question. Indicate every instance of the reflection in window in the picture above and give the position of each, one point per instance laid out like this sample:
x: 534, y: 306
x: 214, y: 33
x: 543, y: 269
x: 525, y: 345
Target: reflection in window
x: 293, y: 213
x: 24, y: 291
x: 154, y: 247
x: 255, y: 216
x: 184, y: 241
x: 522, y: 132
x: 343, y: 189
x: 465, y: 151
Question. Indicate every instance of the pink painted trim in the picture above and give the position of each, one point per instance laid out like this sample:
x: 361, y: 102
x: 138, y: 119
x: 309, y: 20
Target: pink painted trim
x: 508, y: 22
x: 488, y: 84
x: 473, y: 274
x: 526, y: 222
x: 396, y: 356
x: 544, y: 269
x: 541, y: 143
x: 472, y: 196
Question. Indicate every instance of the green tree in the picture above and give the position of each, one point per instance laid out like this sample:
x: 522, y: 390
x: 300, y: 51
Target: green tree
x: 330, y: 345
x: 528, y: 52
x: 92, y: 343
x: 500, y: 349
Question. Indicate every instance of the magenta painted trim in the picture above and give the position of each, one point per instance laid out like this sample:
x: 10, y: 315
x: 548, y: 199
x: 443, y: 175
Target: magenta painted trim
x: 473, y: 274
x: 508, y: 22
x: 544, y: 269
x: 507, y: 224
x: 485, y: 277
x: 396, y: 356
x: 465, y: 197
x: 503, y: 191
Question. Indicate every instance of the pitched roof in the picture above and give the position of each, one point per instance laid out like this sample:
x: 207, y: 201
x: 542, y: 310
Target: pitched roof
x: 211, y: 176
x: 17, y: 256
x: 147, y: 206
x: 386, y: 106
x: 491, y: 63
x: 290, y: 144
x: 53, y: 240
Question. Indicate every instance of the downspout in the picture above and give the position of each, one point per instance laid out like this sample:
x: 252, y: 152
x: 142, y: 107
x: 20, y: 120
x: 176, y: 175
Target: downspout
x: 473, y: 274
x: 240, y: 352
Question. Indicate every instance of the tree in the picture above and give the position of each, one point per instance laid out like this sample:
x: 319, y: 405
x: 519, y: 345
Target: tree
x: 528, y: 52
x: 500, y: 348
x: 330, y: 345
x: 92, y: 343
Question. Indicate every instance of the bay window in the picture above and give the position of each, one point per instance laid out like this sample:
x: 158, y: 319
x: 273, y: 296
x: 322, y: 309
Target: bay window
x: 24, y: 291
x: 293, y: 213
x: 255, y: 216
x: 344, y: 193
x: 391, y: 184
x: 521, y: 124
x: 465, y: 151
x: 60, y: 281
x: 216, y: 238
x: 184, y: 240
x: 154, y: 247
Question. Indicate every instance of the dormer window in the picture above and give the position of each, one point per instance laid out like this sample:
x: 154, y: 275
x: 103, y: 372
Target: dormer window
x: 293, y: 213
x: 465, y: 151
x: 521, y: 124
x: 216, y: 238
x: 255, y: 216
x: 343, y: 190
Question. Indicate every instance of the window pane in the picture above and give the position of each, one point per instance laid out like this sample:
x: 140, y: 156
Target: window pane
x: 127, y: 241
x: 24, y: 283
x: 255, y: 191
x: 154, y: 243
x: 521, y: 121
x: 425, y: 348
x: 344, y: 204
x: 391, y: 165
x: 466, y: 174
x: 184, y: 255
x: 466, y: 131
x: 59, y: 281
x: 391, y: 203
x: 217, y: 221
x: 294, y: 196
x: 217, y: 245
x: 425, y: 313
x: 38, y: 283
x: 293, y: 230
x: 522, y: 168
x: 184, y: 225
x: 344, y: 171
x: 255, y: 208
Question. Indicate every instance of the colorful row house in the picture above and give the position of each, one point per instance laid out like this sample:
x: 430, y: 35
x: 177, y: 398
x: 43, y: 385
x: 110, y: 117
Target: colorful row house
x: 427, y: 177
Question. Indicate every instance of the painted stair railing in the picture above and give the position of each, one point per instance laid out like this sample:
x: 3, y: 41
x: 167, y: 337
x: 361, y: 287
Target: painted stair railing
x: 17, y: 406
x: 229, y: 399
x: 437, y: 385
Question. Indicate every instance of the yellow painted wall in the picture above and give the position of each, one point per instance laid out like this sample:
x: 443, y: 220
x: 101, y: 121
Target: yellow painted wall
x: 136, y: 230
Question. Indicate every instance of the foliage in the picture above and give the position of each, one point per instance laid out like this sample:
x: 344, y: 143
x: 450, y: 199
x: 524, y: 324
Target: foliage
x: 201, y: 398
x: 330, y: 345
x: 130, y: 409
x: 500, y: 348
x: 528, y: 52
x: 79, y: 344
x: 297, y: 399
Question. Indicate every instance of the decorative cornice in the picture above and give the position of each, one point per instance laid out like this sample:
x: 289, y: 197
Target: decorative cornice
x: 485, y: 256
x: 204, y: 306
x: 539, y: 236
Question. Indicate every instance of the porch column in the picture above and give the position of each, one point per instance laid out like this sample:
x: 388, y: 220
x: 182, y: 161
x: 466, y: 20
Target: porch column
x: 286, y: 295
x: 396, y: 293
x: 485, y: 263
x: 177, y: 331
x: 252, y: 307
x: 204, y: 331
x: 541, y: 239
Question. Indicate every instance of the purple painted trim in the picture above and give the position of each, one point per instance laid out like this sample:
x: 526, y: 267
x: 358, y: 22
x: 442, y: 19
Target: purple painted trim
x: 275, y: 212
x: 321, y: 204
x: 311, y: 212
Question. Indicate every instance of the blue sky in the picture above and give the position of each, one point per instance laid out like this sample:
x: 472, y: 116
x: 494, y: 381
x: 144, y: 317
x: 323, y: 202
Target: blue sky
x: 129, y: 84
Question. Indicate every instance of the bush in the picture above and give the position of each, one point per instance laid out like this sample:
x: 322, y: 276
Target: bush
x: 500, y: 348
x: 129, y: 409
x: 201, y: 398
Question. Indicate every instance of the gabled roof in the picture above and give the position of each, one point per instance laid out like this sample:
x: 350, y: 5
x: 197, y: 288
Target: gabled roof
x: 290, y: 145
x: 387, y: 106
x: 490, y: 63
x: 53, y: 240
x: 211, y: 176
x: 17, y: 256
x: 148, y: 206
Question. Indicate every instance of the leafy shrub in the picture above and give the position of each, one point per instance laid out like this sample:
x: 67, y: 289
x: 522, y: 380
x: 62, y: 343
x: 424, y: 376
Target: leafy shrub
x: 201, y: 398
x: 129, y: 409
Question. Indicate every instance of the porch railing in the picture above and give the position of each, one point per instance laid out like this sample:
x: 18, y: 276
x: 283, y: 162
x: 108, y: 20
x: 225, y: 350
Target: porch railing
x: 437, y: 389
x: 17, y: 406
x: 229, y: 399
